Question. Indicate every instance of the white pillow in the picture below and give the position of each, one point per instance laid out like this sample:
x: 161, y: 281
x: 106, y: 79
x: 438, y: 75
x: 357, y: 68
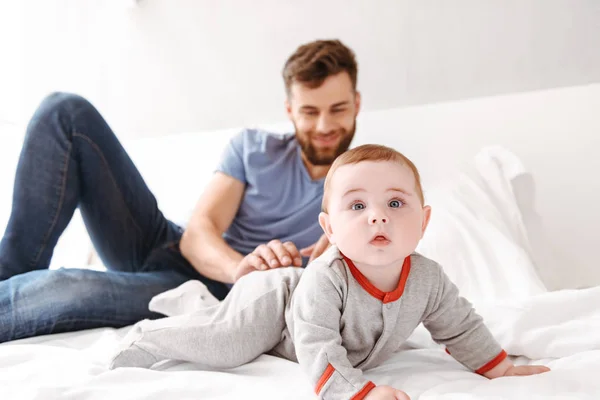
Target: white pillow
x: 477, y: 232
x: 177, y: 168
x: 9, y: 156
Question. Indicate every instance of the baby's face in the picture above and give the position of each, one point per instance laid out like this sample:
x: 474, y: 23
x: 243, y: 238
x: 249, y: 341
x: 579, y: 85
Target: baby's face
x: 375, y: 216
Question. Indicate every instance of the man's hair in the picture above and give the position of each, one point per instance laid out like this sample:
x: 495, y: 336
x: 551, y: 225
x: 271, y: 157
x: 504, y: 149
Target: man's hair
x: 313, y: 62
x: 371, y: 152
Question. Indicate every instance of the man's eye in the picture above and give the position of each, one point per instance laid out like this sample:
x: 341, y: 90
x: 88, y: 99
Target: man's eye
x: 358, y: 206
x: 395, y: 203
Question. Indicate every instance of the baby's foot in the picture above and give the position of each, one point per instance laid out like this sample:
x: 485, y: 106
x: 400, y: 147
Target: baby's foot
x: 129, y: 354
x: 188, y: 297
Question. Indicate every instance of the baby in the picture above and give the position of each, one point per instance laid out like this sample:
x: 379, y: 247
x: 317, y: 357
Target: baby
x: 351, y: 308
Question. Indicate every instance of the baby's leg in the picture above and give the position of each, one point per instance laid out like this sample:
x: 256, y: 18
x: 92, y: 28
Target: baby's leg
x: 248, y: 323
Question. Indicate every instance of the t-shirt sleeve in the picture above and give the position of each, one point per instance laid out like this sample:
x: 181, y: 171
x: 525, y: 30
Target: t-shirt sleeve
x: 453, y: 322
x: 232, y: 159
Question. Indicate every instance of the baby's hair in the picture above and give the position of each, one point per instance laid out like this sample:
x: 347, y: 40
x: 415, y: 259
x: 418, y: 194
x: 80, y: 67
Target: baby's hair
x: 371, y: 152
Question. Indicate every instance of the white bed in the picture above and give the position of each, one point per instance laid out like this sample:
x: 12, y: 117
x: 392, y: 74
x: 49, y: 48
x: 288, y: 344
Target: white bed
x: 495, y: 239
x: 73, y: 366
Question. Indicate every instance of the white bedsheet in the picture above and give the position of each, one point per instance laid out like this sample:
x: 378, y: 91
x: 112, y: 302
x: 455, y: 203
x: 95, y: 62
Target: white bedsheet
x: 558, y: 329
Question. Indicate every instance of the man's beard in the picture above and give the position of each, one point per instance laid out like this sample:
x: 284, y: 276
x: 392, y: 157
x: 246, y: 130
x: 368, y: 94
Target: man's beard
x: 312, y: 154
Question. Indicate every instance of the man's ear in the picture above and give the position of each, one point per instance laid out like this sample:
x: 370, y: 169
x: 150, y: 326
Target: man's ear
x: 326, y: 226
x: 426, y: 217
x: 357, y: 102
x: 288, y: 107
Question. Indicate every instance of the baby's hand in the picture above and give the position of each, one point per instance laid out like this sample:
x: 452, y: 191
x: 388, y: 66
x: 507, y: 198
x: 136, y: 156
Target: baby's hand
x: 507, y: 368
x: 386, y: 393
x: 523, y: 370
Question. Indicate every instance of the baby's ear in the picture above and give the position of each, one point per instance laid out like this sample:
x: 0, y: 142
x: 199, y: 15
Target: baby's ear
x: 326, y: 226
x: 426, y: 217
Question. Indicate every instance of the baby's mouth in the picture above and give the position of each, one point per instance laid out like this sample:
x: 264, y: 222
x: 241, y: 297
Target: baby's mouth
x: 380, y: 239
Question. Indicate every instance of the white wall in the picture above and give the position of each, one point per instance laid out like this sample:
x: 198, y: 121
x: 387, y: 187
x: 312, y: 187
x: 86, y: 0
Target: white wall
x: 168, y: 66
x: 556, y: 133
x: 11, y: 82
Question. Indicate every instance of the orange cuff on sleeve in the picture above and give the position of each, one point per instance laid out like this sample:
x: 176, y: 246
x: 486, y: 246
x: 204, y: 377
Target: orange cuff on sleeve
x: 324, y: 378
x: 327, y: 374
x: 489, y: 366
x: 364, y: 391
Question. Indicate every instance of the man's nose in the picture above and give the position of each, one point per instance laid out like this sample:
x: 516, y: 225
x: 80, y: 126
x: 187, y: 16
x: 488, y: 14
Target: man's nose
x: 325, y: 124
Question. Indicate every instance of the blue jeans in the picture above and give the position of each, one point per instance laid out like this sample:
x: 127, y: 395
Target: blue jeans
x: 71, y: 158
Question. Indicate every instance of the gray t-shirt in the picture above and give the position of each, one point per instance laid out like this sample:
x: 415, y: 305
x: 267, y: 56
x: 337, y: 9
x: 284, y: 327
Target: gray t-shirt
x: 281, y: 201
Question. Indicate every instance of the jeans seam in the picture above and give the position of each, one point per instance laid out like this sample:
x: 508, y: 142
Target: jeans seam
x: 65, y: 322
x: 106, y: 323
x: 112, y: 178
x: 57, y: 210
x: 163, y: 247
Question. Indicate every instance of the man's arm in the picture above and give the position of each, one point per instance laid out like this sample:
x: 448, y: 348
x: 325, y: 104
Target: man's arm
x: 203, y: 246
x: 202, y: 243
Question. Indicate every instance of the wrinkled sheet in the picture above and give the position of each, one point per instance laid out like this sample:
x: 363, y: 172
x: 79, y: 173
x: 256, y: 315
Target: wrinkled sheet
x: 557, y: 329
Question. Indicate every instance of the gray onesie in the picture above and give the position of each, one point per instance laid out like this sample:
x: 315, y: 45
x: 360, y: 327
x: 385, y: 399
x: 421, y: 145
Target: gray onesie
x: 333, y: 321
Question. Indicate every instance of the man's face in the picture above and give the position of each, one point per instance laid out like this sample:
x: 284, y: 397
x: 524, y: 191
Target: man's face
x: 324, y: 117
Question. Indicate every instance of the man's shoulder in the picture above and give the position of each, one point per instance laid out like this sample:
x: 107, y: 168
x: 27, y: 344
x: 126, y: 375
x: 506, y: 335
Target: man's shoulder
x: 254, y: 140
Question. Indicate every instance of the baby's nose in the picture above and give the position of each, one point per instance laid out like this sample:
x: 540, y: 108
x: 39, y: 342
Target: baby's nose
x: 375, y: 219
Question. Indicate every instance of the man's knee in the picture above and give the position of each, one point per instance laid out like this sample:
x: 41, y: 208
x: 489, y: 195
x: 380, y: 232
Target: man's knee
x: 63, y: 112
x: 61, y: 289
x: 63, y: 101
x: 44, y: 302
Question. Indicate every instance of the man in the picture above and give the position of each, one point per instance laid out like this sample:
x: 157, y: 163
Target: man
x: 259, y: 211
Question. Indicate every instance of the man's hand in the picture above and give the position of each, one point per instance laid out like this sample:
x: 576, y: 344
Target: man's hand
x: 316, y: 249
x: 386, y: 393
x: 268, y: 256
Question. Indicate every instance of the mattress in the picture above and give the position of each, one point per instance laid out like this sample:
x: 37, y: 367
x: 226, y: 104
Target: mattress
x: 74, y: 365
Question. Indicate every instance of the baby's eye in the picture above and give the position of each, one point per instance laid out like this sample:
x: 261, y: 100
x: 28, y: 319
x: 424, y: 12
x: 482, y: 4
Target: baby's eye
x: 358, y: 206
x: 395, y: 203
